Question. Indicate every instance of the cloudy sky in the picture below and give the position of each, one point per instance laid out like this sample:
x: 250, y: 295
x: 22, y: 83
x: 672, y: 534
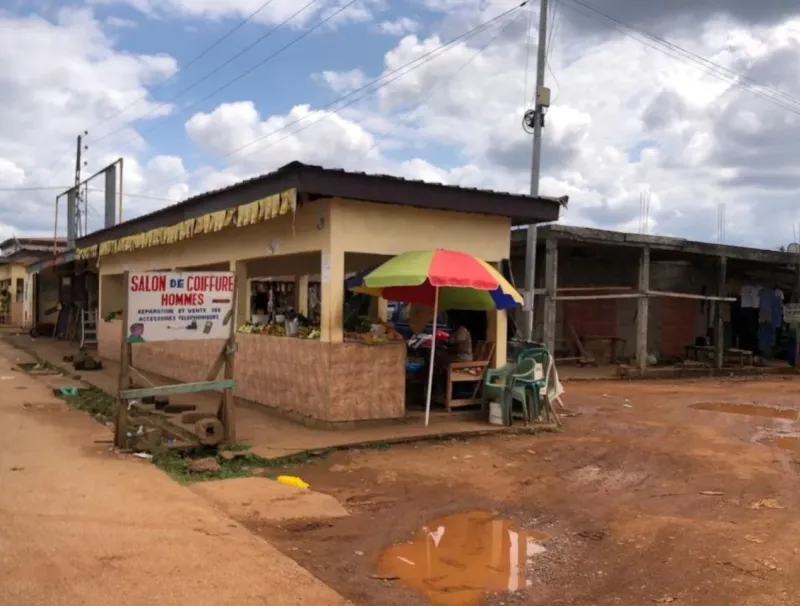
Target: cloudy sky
x: 695, y: 101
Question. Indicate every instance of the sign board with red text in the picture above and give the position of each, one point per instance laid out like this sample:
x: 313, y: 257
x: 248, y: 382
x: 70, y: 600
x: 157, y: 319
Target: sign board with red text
x: 179, y: 306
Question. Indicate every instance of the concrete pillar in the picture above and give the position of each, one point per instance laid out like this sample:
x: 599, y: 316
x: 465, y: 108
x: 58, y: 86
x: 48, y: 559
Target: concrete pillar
x: 72, y: 218
x: 378, y: 309
x: 301, y: 294
x: 497, y: 331
x: 643, y: 310
x: 719, y: 327
x: 550, y: 285
x: 332, y: 280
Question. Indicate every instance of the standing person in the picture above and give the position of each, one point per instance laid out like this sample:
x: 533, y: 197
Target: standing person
x: 5, y: 305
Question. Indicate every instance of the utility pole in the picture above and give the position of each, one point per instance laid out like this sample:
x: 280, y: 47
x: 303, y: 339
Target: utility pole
x: 77, y: 217
x: 535, y: 119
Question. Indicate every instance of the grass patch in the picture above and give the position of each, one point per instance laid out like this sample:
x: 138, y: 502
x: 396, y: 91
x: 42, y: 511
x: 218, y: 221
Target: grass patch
x: 39, y: 368
x: 91, y: 400
x: 176, y: 465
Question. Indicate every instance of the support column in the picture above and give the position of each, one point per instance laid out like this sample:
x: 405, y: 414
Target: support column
x: 719, y: 327
x: 332, y: 280
x: 550, y: 285
x: 643, y: 310
x: 497, y: 332
x: 301, y: 294
x: 378, y: 309
x: 242, y: 312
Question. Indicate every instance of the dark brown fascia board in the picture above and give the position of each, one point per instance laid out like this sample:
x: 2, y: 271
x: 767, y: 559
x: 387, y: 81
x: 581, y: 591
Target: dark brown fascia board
x: 318, y: 182
x: 602, y: 237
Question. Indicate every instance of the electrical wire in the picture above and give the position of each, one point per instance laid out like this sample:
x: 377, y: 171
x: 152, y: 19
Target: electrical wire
x: 714, y: 69
x: 440, y: 83
x: 419, y: 61
x: 191, y: 62
x: 528, y: 54
x: 230, y: 60
x: 171, y: 77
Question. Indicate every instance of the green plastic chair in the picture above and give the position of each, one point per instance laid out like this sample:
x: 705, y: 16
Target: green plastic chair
x: 495, y: 383
x: 522, y: 380
x: 539, y: 355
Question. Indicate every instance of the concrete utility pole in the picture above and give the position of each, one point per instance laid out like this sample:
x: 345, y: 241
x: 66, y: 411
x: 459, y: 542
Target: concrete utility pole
x: 542, y: 100
x: 77, y: 219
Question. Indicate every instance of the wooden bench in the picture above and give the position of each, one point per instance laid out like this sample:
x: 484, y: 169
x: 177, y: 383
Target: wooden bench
x: 469, y: 372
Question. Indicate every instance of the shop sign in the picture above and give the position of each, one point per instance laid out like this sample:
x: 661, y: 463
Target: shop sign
x: 179, y: 306
x: 791, y: 313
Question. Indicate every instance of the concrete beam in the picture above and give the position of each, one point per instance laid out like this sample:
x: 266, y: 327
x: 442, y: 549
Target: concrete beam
x: 550, y: 284
x: 643, y: 310
x: 719, y: 336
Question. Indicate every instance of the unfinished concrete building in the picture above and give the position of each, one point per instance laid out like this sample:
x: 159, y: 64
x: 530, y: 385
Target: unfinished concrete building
x: 619, y: 297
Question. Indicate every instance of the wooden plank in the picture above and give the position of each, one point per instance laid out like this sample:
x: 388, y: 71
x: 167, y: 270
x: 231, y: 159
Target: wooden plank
x: 630, y: 295
x: 179, y: 388
x: 686, y: 295
x: 228, y: 412
x: 121, y: 418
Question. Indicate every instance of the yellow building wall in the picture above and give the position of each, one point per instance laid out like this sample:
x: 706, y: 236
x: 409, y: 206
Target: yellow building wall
x: 14, y: 277
x: 284, y: 235
x: 390, y: 230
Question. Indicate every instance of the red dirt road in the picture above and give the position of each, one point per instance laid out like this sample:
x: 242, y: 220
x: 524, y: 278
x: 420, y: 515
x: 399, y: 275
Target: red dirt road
x: 647, y: 501
x: 81, y: 526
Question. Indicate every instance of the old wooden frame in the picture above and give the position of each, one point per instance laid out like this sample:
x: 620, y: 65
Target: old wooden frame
x: 223, y: 362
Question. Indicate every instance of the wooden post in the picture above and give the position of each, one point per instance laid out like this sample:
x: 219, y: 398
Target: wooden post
x: 643, y: 310
x: 550, y: 284
x: 121, y: 420
x: 228, y: 412
x: 719, y: 327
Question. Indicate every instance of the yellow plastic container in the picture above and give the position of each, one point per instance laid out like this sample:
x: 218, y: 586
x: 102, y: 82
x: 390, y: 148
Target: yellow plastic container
x: 293, y: 481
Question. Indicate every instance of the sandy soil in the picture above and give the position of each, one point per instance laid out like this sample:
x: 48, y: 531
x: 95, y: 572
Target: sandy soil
x: 621, y: 493
x: 81, y: 526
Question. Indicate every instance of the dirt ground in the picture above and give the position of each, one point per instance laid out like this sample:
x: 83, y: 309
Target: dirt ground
x: 620, y: 493
x: 83, y: 526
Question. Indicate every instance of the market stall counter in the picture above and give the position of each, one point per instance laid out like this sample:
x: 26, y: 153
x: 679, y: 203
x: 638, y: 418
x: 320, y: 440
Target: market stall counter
x: 362, y: 378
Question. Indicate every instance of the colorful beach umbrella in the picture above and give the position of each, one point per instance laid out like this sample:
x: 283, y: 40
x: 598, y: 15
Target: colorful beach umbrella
x: 446, y: 279
x: 441, y: 279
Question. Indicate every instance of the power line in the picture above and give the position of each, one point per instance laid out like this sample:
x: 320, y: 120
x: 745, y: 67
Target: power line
x: 714, y: 69
x: 447, y: 81
x: 226, y: 63
x: 194, y: 60
x: 36, y: 188
x: 529, y: 35
x: 421, y: 60
x: 180, y: 70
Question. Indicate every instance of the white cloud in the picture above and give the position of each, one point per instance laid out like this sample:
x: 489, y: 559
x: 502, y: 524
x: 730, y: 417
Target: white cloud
x: 398, y: 27
x: 342, y: 82
x: 58, y: 79
x: 298, y: 12
x: 625, y: 118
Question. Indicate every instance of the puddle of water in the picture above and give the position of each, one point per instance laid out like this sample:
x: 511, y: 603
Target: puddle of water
x: 751, y: 410
x: 457, y: 559
x: 792, y: 444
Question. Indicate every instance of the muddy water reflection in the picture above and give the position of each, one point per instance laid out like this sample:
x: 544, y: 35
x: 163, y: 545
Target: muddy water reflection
x: 457, y: 559
x: 752, y: 410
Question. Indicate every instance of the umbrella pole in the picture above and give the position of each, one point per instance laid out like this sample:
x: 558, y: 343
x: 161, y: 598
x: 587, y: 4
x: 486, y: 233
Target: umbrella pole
x: 433, y: 356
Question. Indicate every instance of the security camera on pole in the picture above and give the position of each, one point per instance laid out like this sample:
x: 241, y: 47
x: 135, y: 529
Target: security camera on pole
x: 533, y: 121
